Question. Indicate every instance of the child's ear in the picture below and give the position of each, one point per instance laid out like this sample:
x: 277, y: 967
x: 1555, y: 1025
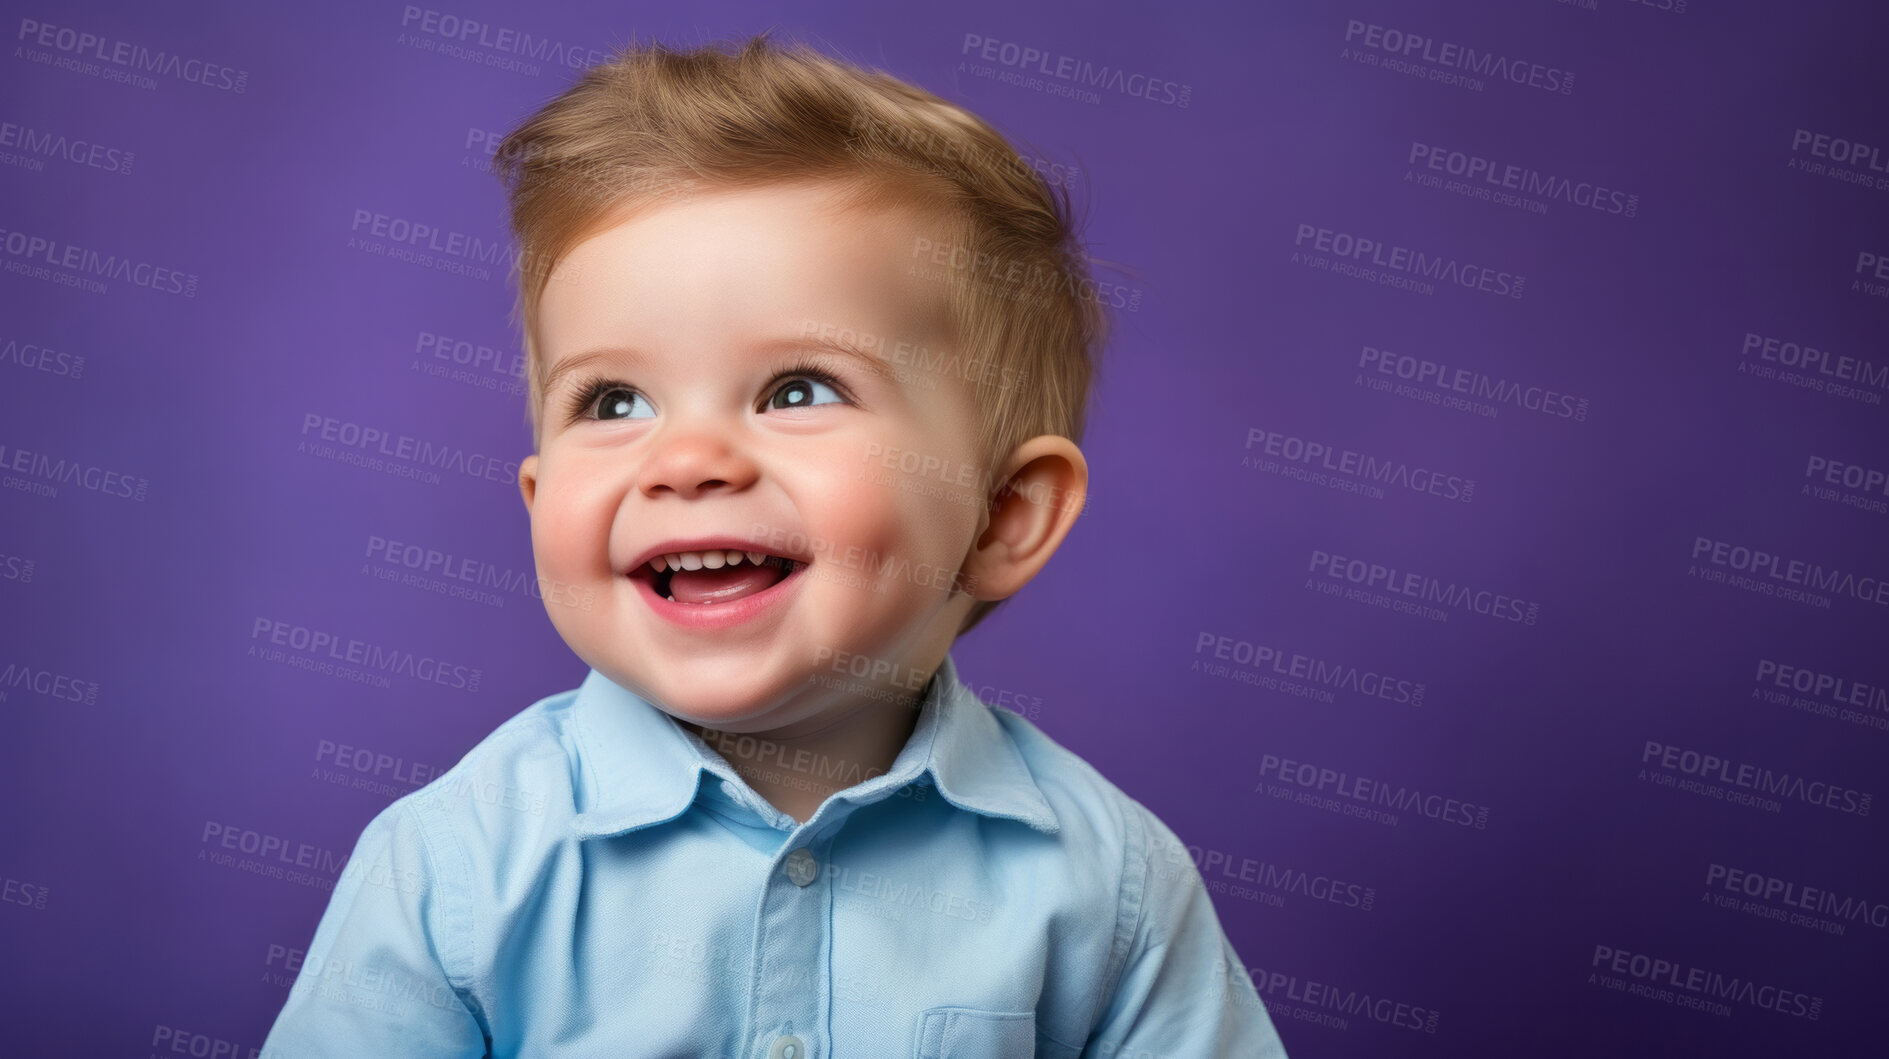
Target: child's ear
x: 528, y: 479
x: 1044, y: 488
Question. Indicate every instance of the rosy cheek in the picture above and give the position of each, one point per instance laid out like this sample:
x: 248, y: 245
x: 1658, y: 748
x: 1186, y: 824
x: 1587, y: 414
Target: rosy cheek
x: 871, y: 514
x: 572, y: 523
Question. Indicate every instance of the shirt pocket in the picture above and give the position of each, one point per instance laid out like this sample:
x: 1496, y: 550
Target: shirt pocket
x: 967, y: 1033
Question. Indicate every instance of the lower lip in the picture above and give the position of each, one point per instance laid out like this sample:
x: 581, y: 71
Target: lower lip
x: 708, y: 616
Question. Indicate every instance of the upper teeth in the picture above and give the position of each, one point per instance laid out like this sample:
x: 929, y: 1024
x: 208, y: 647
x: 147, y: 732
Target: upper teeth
x: 710, y: 560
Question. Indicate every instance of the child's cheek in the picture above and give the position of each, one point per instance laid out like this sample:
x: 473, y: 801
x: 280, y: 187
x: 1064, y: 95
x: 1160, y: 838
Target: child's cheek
x: 571, y: 527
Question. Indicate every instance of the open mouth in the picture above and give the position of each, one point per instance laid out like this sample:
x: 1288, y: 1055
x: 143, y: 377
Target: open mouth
x: 707, y: 578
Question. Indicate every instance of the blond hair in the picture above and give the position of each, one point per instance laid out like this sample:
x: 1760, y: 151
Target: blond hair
x: 656, y: 122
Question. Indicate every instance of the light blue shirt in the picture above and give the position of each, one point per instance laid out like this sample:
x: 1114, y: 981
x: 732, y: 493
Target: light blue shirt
x: 593, y: 879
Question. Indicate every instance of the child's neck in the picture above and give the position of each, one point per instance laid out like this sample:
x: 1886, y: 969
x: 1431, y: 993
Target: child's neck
x: 797, y: 773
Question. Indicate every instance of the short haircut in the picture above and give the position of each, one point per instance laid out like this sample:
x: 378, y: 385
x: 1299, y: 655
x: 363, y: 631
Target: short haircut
x: 655, y: 122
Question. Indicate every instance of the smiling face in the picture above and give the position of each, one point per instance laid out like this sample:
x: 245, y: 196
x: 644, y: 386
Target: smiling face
x: 698, y: 397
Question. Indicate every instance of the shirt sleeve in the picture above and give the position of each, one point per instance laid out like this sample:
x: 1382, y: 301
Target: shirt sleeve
x: 373, y: 981
x: 1183, y: 993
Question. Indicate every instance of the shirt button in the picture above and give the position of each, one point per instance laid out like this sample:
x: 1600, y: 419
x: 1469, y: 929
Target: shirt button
x: 802, y: 869
x: 788, y: 1047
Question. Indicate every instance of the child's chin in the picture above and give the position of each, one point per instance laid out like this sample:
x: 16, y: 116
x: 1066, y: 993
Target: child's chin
x: 725, y: 710
x: 725, y: 716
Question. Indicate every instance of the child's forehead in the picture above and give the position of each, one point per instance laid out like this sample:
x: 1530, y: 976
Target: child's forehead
x: 754, y: 265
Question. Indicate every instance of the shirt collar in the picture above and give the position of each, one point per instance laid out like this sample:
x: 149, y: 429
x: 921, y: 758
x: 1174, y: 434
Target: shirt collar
x: 639, y: 767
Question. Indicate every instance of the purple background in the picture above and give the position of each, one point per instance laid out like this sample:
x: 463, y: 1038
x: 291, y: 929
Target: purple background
x: 119, y: 928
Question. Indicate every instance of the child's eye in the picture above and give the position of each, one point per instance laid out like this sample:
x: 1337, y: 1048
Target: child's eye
x: 611, y: 402
x: 608, y: 400
x: 803, y: 392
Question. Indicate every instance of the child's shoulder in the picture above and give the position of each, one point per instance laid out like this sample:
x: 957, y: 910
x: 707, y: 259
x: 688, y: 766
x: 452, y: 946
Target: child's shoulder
x: 1082, y: 797
x: 517, y: 779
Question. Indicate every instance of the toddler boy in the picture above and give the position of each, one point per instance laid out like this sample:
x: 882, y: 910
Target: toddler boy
x: 809, y: 354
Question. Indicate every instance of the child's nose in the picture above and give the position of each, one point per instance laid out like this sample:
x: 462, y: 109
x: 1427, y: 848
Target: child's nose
x: 695, y: 461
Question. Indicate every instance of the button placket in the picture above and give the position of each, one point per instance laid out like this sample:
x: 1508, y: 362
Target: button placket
x: 793, y: 945
x: 801, y: 867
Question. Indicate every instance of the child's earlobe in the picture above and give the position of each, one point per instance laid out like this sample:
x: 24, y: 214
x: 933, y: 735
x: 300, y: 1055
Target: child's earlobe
x: 528, y: 479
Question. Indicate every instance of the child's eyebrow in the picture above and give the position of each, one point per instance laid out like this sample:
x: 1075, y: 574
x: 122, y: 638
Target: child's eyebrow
x: 867, y: 360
